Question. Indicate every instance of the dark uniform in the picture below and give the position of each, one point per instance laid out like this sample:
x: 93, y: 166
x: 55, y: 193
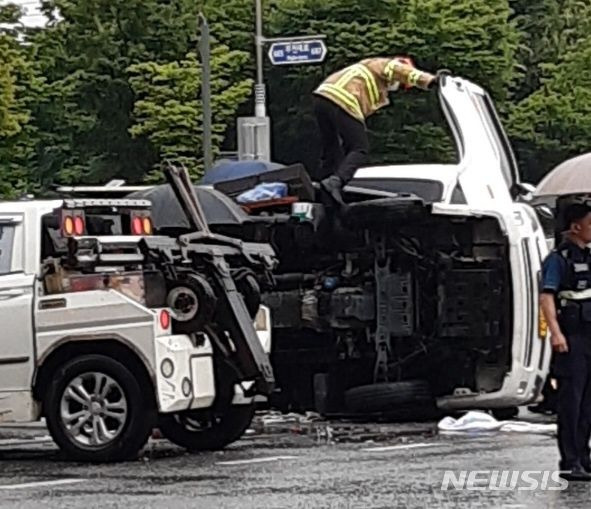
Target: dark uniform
x: 567, y: 275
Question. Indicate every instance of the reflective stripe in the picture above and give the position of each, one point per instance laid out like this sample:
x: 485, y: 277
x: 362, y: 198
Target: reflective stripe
x: 574, y: 295
x: 371, y: 84
x: 360, y: 71
x: 345, y: 98
x: 390, y: 69
x: 349, y: 74
x: 414, y: 77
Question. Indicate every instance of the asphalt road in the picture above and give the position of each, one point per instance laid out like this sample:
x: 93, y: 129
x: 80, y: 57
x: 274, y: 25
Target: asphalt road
x: 356, y: 466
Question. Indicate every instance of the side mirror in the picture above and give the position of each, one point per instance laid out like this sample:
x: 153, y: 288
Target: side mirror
x: 544, y: 211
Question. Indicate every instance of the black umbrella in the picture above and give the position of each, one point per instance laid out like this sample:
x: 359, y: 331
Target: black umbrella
x: 167, y: 213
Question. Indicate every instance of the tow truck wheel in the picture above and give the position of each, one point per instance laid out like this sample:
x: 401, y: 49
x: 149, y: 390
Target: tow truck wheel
x: 96, y: 410
x: 206, y: 431
x: 192, y: 301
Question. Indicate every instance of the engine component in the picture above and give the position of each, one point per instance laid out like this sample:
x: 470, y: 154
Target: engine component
x: 347, y: 304
x: 469, y: 303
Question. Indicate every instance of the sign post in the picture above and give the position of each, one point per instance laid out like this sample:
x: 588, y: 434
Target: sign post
x: 254, y: 133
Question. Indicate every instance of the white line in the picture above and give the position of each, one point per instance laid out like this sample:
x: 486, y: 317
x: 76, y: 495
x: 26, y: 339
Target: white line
x: 396, y: 447
x: 256, y: 460
x: 40, y: 484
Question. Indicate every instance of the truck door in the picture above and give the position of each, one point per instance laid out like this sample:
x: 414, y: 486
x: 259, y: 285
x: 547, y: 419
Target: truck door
x: 16, y: 309
x: 488, y: 172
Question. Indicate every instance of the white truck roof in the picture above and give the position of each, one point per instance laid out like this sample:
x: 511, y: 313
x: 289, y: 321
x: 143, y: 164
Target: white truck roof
x: 447, y: 174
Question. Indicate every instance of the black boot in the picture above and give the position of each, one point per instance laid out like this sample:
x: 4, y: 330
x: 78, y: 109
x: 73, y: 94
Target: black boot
x: 577, y: 473
x: 333, y: 185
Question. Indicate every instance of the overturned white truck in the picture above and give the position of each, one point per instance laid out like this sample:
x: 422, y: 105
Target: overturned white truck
x: 424, y: 289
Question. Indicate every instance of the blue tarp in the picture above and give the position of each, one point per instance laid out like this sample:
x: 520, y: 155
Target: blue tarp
x: 231, y: 170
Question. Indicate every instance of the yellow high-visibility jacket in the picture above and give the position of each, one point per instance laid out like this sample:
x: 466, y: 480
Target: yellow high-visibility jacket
x: 362, y: 89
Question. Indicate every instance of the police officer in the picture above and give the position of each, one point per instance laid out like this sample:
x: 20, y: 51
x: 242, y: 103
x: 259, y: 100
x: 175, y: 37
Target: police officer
x: 566, y: 303
x: 342, y: 104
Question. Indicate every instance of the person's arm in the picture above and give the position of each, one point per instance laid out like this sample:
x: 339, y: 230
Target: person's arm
x: 553, y: 271
x: 398, y: 70
x: 548, y: 305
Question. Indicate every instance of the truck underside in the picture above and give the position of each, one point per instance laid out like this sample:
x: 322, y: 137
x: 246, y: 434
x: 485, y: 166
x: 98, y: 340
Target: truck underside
x: 389, y: 292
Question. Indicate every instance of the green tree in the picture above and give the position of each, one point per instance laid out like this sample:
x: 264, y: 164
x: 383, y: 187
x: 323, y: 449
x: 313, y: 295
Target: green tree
x: 168, y: 112
x: 17, y: 84
x: 85, y: 114
x: 554, y: 123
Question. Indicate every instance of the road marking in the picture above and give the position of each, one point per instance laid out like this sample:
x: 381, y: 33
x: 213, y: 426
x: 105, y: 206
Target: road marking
x: 256, y: 460
x: 40, y: 484
x: 19, y: 442
x: 396, y: 447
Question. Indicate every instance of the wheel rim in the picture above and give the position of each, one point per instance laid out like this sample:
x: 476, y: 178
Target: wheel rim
x: 184, y: 302
x: 93, y: 409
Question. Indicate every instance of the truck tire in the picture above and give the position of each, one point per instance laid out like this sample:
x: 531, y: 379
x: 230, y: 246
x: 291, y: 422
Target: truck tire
x: 196, y: 431
x: 385, y: 212
x: 249, y: 288
x: 193, y: 302
x: 96, y: 410
x: 391, y: 398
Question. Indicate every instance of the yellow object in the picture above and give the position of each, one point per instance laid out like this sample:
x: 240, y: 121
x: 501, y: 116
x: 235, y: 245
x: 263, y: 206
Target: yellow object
x: 362, y: 88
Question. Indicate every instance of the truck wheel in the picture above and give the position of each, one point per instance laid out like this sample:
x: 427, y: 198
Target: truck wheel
x: 96, y: 410
x: 206, y: 431
x: 193, y: 302
x: 401, y: 398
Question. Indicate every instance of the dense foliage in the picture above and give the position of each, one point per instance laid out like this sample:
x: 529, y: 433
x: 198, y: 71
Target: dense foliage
x: 111, y: 88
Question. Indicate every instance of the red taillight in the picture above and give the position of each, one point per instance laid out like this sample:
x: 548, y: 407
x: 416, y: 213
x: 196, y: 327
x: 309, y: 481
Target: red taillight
x: 137, y: 227
x: 164, y: 319
x: 79, y: 225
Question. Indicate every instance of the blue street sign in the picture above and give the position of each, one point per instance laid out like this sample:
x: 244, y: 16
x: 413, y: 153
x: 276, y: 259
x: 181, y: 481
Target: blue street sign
x: 289, y: 52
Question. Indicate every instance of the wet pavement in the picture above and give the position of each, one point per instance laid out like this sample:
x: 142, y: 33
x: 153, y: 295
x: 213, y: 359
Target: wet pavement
x: 303, y: 463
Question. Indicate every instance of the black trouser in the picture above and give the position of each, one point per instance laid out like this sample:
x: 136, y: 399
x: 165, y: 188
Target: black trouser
x: 573, y: 373
x: 344, y: 141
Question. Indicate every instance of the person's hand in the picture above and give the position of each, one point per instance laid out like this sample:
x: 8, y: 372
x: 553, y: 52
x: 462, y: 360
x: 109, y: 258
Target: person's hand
x: 559, y: 343
x: 439, y: 78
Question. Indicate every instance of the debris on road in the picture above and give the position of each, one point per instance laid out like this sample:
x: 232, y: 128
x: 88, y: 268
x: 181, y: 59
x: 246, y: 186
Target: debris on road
x: 478, y: 422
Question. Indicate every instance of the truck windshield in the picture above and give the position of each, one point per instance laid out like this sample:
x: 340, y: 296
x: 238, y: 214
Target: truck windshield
x: 429, y: 190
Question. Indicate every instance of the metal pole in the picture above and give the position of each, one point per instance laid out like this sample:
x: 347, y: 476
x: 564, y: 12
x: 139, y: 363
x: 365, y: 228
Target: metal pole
x: 259, y: 88
x: 204, y: 51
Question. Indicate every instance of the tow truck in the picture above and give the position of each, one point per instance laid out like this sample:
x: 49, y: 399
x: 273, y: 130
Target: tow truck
x: 109, y: 331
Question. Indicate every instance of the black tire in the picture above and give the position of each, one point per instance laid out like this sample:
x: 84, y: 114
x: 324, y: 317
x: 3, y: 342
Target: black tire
x: 197, y: 431
x: 505, y: 414
x: 389, y: 397
x: 138, y: 420
x: 385, y: 212
x: 193, y: 301
x: 249, y: 288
